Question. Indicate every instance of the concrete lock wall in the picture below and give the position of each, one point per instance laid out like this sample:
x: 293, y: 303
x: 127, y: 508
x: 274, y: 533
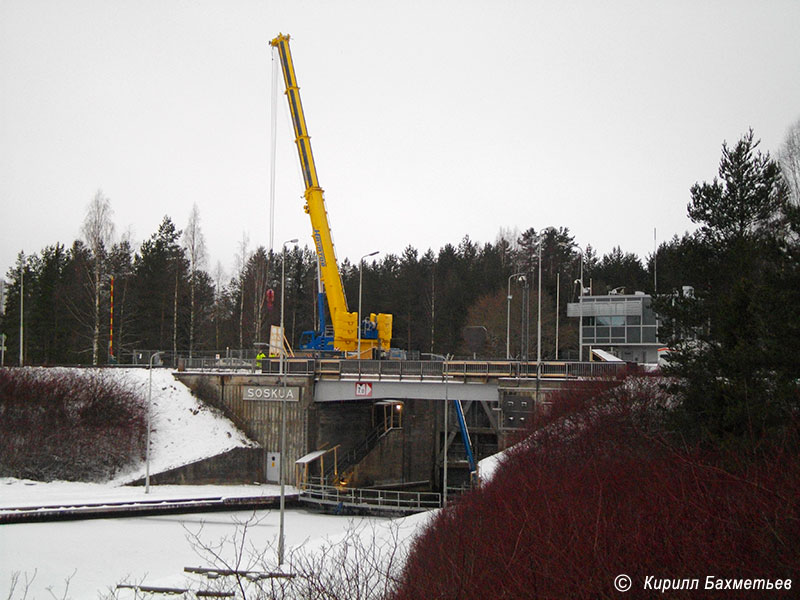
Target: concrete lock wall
x: 237, y: 466
x: 405, y: 456
x: 326, y: 414
x: 342, y: 423
x: 254, y: 403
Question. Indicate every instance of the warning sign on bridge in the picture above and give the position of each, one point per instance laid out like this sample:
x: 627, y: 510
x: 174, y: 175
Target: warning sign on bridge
x: 363, y: 390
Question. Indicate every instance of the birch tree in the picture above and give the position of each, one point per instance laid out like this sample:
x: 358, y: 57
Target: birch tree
x: 194, y: 243
x: 219, y: 293
x: 789, y: 158
x: 241, y: 265
x: 97, y: 231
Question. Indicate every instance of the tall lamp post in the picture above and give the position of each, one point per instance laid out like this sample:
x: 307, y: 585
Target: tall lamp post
x: 558, y: 302
x: 539, y: 313
x: 283, y: 402
x: 539, y: 325
x: 154, y: 358
x: 445, y: 370
x: 360, y: 279
x: 580, y: 311
x: 508, y: 315
x: 21, y: 309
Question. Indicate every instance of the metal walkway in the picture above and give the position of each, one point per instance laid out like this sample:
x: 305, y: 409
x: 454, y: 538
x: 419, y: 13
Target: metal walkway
x: 369, y: 501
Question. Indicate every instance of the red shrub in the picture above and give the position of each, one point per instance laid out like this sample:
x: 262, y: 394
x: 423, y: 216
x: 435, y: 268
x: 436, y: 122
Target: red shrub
x: 596, y: 493
x: 67, y: 424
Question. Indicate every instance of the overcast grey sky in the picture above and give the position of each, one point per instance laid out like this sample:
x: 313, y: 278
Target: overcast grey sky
x: 429, y: 120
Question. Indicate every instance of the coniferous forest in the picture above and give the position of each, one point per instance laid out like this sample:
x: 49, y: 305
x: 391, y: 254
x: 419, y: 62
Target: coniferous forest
x: 166, y: 298
x: 162, y: 303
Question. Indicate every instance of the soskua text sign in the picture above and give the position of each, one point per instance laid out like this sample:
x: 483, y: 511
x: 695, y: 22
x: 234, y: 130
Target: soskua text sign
x: 271, y: 392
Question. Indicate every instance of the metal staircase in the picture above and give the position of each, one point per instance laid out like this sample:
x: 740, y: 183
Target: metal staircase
x: 349, y: 459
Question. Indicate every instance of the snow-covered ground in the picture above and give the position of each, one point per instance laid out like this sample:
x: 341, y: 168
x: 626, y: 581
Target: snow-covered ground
x: 184, y: 429
x: 490, y: 464
x: 95, y: 555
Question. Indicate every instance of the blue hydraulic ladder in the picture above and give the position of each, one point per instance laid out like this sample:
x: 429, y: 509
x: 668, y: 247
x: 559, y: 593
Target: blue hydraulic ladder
x: 462, y: 424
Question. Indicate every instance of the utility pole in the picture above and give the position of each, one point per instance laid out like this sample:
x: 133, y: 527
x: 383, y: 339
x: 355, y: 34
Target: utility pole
x: 508, y: 312
x: 539, y: 313
x: 21, y: 308
x: 360, y: 281
x: 655, y: 263
x: 446, y: 427
x: 111, y: 327
x: 283, y: 406
x: 539, y: 327
x: 558, y: 301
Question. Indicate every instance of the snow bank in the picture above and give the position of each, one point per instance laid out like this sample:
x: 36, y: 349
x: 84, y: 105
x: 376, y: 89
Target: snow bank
x: 488, y: 466
x: 94, y: 555
x: 184, y: 430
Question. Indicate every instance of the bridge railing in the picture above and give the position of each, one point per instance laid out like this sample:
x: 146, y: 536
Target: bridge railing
x: 418, y: 370
x: 388, y: 369
x: 292, y: 366
x: 467, y: 370
x: 353, y: 456
x: 370, y: 497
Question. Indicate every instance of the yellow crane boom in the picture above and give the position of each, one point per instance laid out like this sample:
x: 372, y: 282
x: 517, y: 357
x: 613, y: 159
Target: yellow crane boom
x: 346, y: 329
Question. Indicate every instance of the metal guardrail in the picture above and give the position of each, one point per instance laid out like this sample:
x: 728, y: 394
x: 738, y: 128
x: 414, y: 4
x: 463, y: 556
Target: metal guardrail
x: 355, y: 455
x: 218, y: 364
x: 412, y: 370
x: 389, y: 500
x: 459, y: 370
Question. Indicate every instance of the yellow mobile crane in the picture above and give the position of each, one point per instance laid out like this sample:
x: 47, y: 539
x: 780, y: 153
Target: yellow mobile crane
x: 374, y: 332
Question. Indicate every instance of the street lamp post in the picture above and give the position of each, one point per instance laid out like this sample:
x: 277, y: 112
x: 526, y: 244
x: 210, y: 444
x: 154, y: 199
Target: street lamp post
x: 283, y: 403
x: 360, y: 271
x: 446, y: 428
x: 539, y: 325
x: 155, y: 357
x: 539, y: 313
x: 508, y: 315
x: 558, y: 302
x: 525, y: 320
x: 21, y: 309
x: 580, y: 312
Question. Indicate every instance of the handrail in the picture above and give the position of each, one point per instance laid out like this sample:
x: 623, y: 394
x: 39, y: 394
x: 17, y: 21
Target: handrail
x: 371, y: 497
x: 417, y: 370
x: 355, y: 455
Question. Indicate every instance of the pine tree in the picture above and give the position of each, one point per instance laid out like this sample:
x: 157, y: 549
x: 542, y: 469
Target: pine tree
x: 732, y: 337
x: 160, y: 268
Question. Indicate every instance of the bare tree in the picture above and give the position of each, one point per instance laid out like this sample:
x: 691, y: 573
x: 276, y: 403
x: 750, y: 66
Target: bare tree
x: 241, y: 266
x: 789, y: 158
x: 507, y: 241
x: 194, y: 242
x: 219, y: 277
x: 97, y: 230
x: 364, y: 564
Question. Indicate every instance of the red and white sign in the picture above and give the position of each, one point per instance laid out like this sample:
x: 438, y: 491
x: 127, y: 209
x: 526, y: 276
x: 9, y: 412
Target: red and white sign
x: 363, y: 390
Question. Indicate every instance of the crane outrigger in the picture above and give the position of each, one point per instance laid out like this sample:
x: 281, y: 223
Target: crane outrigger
x: 375, y: 331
